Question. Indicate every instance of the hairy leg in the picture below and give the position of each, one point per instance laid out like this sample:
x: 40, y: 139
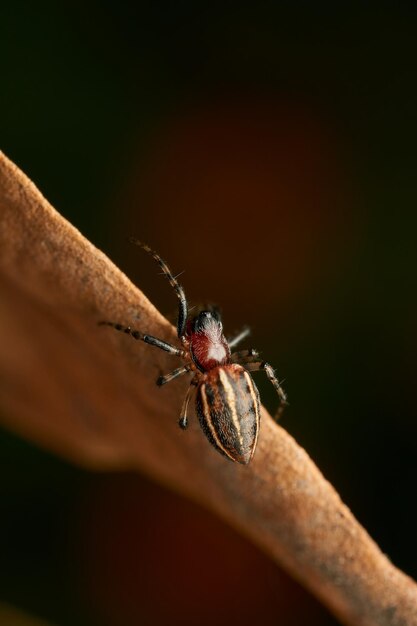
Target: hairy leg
x: 163, y: 380
x: 183, y: 306
x: 267, y: 368
x: 153, y: 341
x: 238, y: 338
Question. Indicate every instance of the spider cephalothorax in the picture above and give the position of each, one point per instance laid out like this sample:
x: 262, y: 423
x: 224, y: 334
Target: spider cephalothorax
x: 208, y: 346
x: 227, y: 399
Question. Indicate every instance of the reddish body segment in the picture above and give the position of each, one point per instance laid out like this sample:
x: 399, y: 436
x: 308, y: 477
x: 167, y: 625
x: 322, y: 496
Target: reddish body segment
x: 208, y: 345
x: 227, y: 399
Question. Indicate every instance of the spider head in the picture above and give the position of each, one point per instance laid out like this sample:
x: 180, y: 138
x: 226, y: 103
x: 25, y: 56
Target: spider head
x: 207, y: 322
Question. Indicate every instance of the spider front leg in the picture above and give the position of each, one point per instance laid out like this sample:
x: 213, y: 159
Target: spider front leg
x: 183, y: 305
x: 153, y: 341
x: 267, y: 368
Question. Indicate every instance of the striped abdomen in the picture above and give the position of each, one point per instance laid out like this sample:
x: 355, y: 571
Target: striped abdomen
x: 228, y: 410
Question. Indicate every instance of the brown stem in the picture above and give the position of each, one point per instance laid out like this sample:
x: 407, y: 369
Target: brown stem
x: 89, y: 394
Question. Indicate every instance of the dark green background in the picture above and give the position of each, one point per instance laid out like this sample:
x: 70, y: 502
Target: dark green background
x: 269, y: 149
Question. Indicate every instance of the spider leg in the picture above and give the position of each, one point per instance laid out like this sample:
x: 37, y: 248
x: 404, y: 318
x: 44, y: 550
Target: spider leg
x: 238, y: 338
x: 153, y: 341
x: 243, y: 356
x: 183, y: 305
x: 163, y: 380
x: 267, y: 368
x: 183, y: 421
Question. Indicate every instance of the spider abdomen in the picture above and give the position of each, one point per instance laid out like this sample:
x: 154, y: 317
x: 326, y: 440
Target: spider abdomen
x: 228, y: 410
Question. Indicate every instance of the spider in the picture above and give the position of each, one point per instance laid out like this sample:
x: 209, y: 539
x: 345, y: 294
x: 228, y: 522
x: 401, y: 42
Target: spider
x: 227, y: 401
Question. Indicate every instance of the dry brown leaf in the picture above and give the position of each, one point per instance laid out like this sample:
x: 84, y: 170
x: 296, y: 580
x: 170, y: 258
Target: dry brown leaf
x: 89, y: 394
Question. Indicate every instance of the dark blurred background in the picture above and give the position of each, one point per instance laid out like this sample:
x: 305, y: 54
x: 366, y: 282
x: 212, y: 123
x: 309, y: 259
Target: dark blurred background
x: 269, y: 150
